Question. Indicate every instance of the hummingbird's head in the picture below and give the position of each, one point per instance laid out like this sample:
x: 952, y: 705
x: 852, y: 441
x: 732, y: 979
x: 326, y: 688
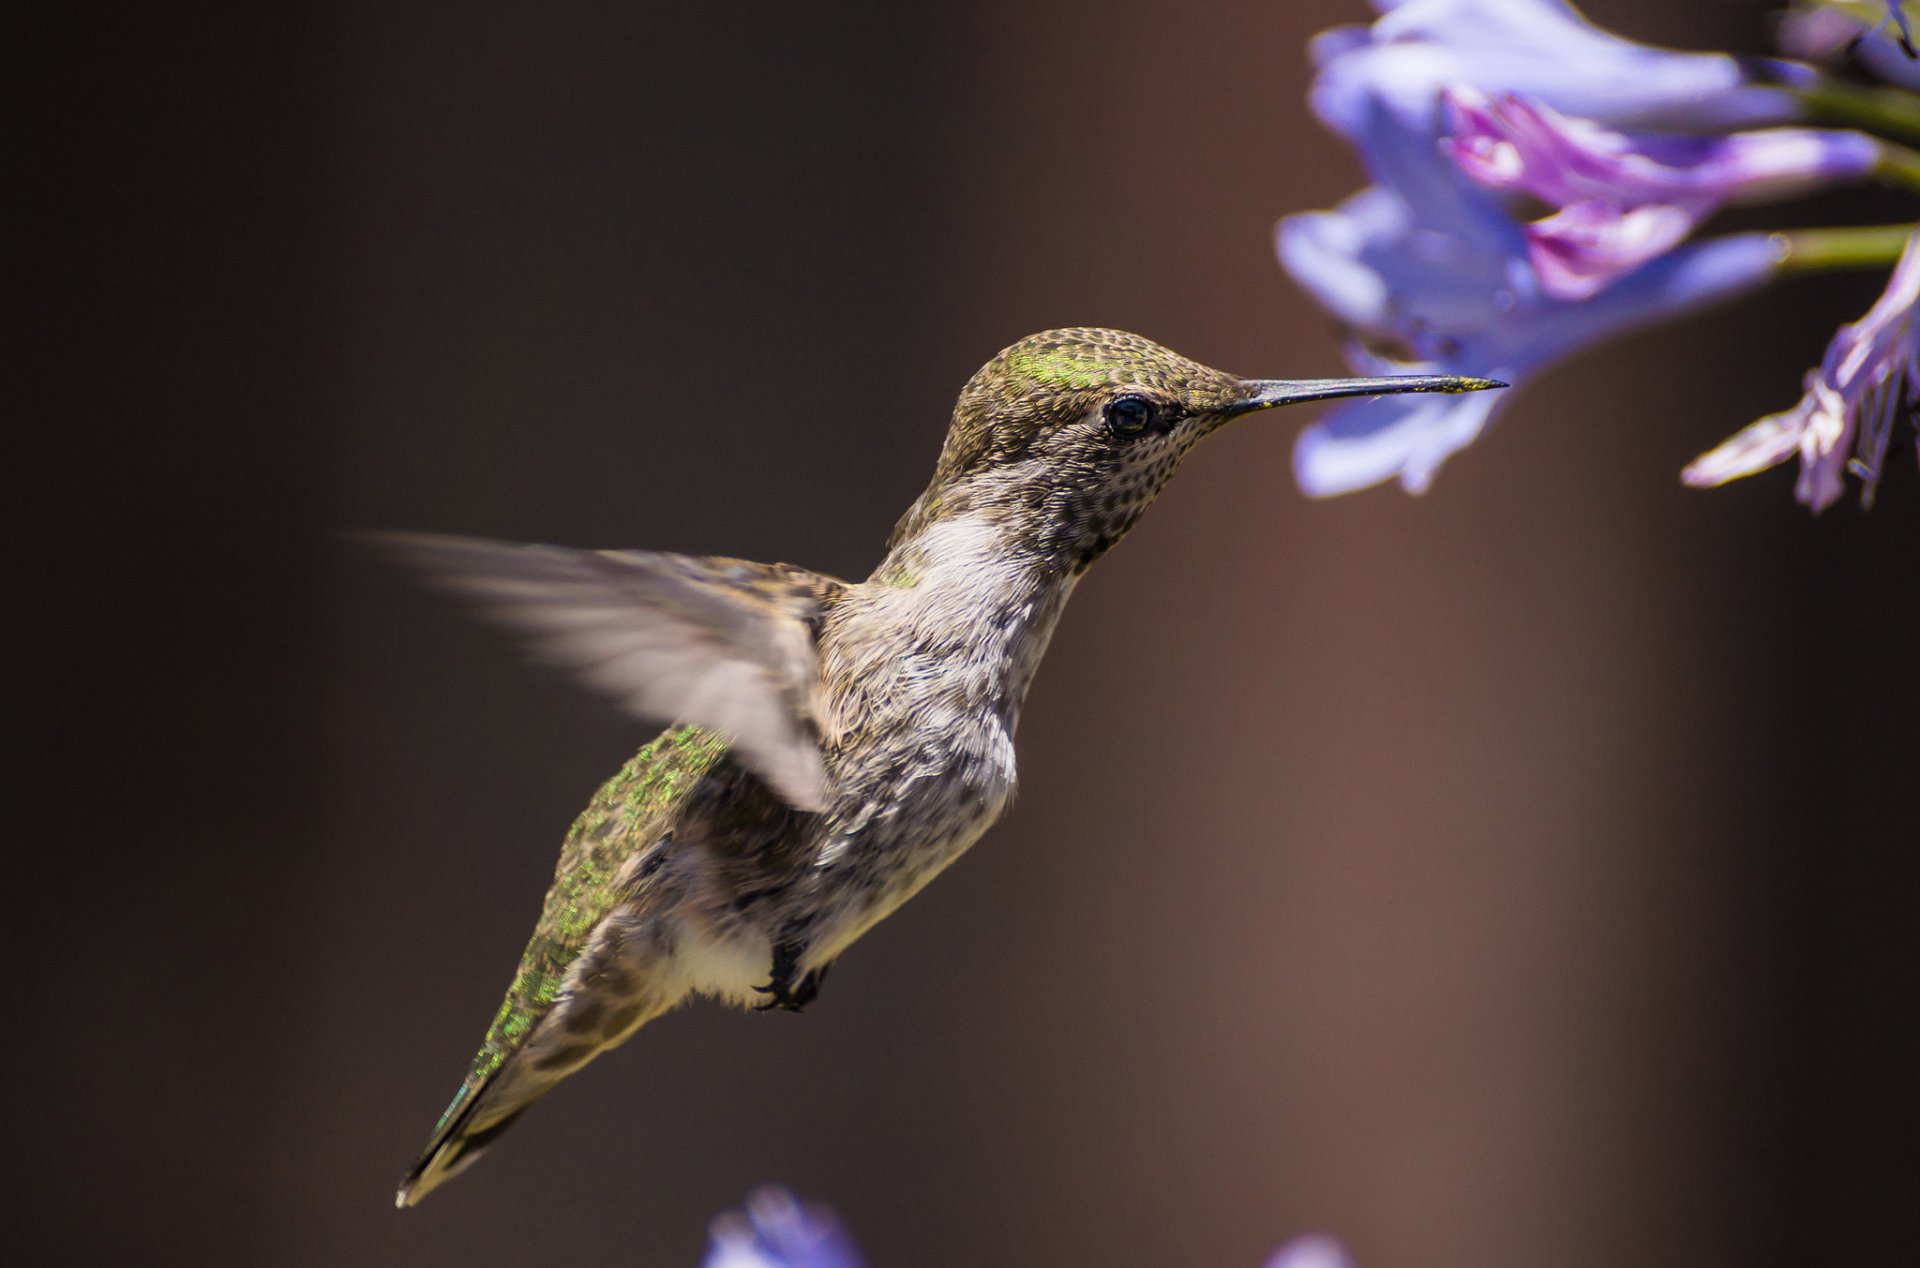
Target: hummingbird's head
x: 1072, y: 433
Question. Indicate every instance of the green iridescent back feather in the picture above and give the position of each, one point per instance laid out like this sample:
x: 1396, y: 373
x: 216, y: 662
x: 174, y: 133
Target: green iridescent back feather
x: 625, y: 815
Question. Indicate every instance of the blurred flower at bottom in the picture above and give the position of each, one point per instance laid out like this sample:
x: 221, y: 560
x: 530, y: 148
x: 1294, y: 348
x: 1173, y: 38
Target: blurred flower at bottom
x: 776, y: 1230
x: 1312, y: 1251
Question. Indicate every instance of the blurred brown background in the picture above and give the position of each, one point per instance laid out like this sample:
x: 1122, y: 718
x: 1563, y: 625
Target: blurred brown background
x: 1518, y: 875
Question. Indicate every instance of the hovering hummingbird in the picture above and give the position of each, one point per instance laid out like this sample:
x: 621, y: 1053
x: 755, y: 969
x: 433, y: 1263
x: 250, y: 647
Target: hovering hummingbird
x: 833, y: 745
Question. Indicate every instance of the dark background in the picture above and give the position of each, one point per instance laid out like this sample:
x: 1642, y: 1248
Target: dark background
x: 1518, y: 875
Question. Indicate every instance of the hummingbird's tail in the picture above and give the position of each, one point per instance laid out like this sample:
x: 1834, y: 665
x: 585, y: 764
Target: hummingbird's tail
x: 525, y: 1059
x: 457, y: 1142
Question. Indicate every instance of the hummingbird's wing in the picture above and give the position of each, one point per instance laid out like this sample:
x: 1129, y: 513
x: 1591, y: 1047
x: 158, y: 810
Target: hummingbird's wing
x: 720, y: 643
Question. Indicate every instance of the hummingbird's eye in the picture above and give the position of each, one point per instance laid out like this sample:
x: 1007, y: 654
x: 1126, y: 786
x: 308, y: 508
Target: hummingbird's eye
x: 1128, y: 416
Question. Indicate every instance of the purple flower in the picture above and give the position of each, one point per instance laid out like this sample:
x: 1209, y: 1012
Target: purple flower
x: 776, y: 1231
x: 1876, y: 32
x: 1581, y: 249
x: 1626, y: 198
x: 1866, y: 382
x: 1311, y: 1251
x: 1542, y: 49
x: 1432, y: 275
x: 1896, y: 16
x: 1430, y: 270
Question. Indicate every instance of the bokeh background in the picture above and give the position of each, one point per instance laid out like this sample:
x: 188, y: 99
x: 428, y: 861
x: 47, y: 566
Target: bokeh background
x: 1522, y: 874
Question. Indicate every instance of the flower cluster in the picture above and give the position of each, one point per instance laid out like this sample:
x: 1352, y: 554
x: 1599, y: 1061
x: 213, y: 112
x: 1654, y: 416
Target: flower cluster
x: 1475, y: 116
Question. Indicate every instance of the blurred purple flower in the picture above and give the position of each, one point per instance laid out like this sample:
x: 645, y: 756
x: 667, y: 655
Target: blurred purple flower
x: 1540, y: 48
x: 1626, y: 198
x: 1866, y: 382
x: 1311, y: 1251
x: 1433, y: 276
x: 776, y: 1231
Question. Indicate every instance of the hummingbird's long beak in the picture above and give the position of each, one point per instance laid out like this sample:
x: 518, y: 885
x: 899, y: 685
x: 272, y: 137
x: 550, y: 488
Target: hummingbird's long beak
x: 1267, y: 393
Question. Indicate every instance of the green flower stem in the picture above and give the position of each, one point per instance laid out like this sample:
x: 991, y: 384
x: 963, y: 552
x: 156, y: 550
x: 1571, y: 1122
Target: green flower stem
x: 1898, y: 166
x: 1885, y: 112
x: 1852, y: 247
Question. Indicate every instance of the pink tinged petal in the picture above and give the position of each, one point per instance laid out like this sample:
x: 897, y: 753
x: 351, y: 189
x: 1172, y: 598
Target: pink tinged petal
x: 1875, y: 430
x: 1866, y: 379
x: 1823, y: 457
x: 1512, y: 142
x: 1582, y: 249
x: 1486, y: 157
x: 1759, y: 445
x: 1814, y: 429
x: 1517, y: 143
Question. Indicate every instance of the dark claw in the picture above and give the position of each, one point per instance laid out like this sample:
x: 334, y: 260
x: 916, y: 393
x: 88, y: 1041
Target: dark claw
x: 787, y: 994
x: 808, y: 990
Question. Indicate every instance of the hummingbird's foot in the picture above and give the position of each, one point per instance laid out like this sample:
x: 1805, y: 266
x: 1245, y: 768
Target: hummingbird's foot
x: 784, y: 992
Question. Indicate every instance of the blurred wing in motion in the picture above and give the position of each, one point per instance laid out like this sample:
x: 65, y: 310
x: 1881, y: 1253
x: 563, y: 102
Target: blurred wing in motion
x: 719, y: 643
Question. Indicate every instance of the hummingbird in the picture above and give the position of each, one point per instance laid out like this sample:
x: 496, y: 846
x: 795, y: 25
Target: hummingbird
x: 831, y: 745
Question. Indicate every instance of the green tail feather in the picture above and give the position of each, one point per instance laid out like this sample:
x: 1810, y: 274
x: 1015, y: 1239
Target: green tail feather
x: 627, y: 815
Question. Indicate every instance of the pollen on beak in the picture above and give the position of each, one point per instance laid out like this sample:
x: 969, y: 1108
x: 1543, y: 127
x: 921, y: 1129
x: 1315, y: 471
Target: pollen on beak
x: 1267, y: 393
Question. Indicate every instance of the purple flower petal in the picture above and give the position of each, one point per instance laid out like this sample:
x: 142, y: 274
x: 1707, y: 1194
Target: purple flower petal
x: 1512, y: 142
x: 1367, y: 443
x: 1428, y: 265
x: 1830, y: 35
x: 1626, y: 198
x: 1844, y: 419
x: 1408, y: 437
x: 1540, y: 48
x: 1897, y: 15
x: 1521, y: 145
x: 1581, y: 249
x: 1763, y: 443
